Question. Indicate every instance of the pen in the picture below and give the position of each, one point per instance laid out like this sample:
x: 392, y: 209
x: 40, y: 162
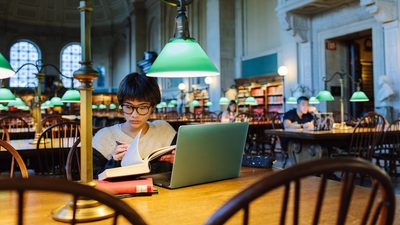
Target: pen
x: 120, y: 196
x: 118, y: 143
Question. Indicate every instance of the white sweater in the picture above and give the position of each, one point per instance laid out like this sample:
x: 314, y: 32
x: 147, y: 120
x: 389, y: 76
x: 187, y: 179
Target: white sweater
x: 159, y: 134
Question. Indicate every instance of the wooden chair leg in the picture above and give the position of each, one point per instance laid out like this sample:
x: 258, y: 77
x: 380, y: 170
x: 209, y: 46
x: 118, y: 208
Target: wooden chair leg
x: 12, y: 167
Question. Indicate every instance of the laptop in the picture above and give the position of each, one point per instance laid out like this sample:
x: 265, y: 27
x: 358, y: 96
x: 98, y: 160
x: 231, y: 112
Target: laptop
x: 205, y: 153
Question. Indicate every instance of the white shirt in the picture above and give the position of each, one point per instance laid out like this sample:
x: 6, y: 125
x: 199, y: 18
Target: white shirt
x: 159, y: 134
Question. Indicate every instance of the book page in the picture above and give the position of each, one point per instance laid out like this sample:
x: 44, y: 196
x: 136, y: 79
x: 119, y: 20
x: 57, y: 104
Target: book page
x: 158, y: 152
x: 132, y: 155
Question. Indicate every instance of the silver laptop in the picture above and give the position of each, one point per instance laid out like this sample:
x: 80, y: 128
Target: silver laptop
x: 205, y: 153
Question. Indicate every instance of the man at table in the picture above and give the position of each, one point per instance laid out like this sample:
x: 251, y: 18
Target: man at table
x: 300, y: 117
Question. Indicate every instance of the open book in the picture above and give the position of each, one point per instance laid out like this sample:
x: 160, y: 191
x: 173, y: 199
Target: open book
x: 132, y: 163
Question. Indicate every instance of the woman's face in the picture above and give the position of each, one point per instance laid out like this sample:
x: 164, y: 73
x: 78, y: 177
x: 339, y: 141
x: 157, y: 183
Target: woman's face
x: 232, y: 107
x: 136, y: 113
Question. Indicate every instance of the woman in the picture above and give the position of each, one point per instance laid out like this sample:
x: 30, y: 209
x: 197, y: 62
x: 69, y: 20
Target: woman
x: 138, y: 95
x: 229, y: 114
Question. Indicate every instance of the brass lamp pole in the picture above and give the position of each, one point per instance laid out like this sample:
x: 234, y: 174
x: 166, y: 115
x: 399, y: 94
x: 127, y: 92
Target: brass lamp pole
x: 88, y: 210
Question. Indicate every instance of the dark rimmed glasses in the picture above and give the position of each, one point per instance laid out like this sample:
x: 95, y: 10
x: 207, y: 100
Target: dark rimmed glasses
x: 141, y: 109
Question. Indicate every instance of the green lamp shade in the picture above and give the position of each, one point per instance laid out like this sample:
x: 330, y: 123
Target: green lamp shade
x: 6, y: 70
x: 17, y: 103
x: 359, y: 96
x: 94, y: 106
x: 6, y: 95
x: 102, y: 106
x: 46, y: 104
x: 56, y: 101
x: 325, y: 96
x: 208, y: 104
x: 224, y: 101
x: 250, y: 101
x: 119, y: 107
x: 3, y: 108
x: 173, y: 102
x: 24, y: 108
x: 112, y: 106
x: 195, y: 103
x: 182, y: 58
x: 314, y: 100
x: 170, y: 105
x: 71, y: 96
x: 291, y: 100
x: 159, y: 106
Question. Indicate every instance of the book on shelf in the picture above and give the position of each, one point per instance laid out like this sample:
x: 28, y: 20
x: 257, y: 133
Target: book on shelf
x: 132, y: 163
x: 138, y: 186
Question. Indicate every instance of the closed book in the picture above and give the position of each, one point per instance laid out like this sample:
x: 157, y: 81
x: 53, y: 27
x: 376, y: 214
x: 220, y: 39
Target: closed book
x: 126, y: 187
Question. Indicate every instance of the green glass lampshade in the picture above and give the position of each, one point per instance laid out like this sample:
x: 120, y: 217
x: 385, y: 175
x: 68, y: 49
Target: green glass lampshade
x: 195, y: 103
x: 170, y: 105
x: 208, y: 104
x: 71, y: 96
x: 94, y: 106
x: 3, y: 108
x: 291, y: 100
x: 24, y: 108
x: 6, y: 95
x: 102, y: 106
x: 224, y: 101
x: 182, y: 58
x: 120, y: 107
x: 314, y: 101
x: 325, y: 96
x: 359, y: 96
x: 46, y: 104
x: 159, y: 106
x: 173, y: 102
x: 56, y: 101
x: 112, y: 106
x: 163, y: 104
x: 250, y: 101
x: 17, y: 103
x: 6, y: 70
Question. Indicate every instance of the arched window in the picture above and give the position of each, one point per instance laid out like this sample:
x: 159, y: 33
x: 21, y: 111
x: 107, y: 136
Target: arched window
x: 70, y: 57
x: 21, y: 52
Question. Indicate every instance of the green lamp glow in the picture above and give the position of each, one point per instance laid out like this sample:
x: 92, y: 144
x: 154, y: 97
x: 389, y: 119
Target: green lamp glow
x: 159, y: 106
x: 170, y: 105
x: 182, y: 58
x: 208, y: 104
x: 314, y: 100
x: 94, y: 106
x: 6, y: 70
x: 291, y: 100
x: 102, y: 106
x: 17, y: 103
x: 71, y: 95
x: 359, y: 96
x: 224, y: 101
x: 3, y: 108
x: 173, y: 102
x: 46, y: 104
x: 325, y: 96
x: 163, y: 104
x: 56, y: 101
x: 195, y: 103
x: 112, y: 106
x: 250, y: 101
x: 24, y: 108
x: 6, y: 95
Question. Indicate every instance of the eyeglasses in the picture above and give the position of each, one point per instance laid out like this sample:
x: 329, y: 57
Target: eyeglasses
x: 141, y: 110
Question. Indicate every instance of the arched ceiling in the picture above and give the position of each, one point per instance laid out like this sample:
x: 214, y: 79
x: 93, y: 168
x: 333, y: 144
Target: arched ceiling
x: 62, y: 13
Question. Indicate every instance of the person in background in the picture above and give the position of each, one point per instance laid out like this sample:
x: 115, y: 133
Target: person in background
x: 229, y: 114
x: 300, y: 117
x: 138, y: 95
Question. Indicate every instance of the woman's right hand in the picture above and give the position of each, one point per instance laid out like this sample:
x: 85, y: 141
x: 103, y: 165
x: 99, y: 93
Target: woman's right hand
x: 120, y: 150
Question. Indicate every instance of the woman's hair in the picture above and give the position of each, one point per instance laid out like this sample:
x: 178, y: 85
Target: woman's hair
x: 232, y: 102
x: 139, y: 87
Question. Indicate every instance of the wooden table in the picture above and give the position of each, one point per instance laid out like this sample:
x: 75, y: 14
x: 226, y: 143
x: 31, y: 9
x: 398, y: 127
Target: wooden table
x: 193, y: 205
x: 320, y: 136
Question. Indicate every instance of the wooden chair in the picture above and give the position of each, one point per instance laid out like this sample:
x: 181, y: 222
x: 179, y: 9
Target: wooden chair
x: 379, y: 207
x: 53, y: 146
x: 389, y: 151
x: 14, y: 157
x: 14, y: 123
x: 50, y: 120
x: 72, y: 166
x: 25, y: 187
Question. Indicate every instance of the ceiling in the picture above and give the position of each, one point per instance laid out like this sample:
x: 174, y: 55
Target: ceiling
x: 62, y: 13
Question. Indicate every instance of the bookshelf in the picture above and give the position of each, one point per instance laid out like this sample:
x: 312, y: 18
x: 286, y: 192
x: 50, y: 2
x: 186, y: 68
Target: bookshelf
x: 267, y: 90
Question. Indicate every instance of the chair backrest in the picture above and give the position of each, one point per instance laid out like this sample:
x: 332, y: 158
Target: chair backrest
x: 14, y: 123
x: 379, y: 205
x: 53, y: 146
x: 72, y: 166
x: 367, y: 134
x: 14, y: 157
x: 50, y: 120
x: 277, y: 121
x: 77, y: 191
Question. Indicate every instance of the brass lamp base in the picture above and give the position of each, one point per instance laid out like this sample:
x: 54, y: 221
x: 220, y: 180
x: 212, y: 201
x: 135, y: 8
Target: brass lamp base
x: 86, y: 211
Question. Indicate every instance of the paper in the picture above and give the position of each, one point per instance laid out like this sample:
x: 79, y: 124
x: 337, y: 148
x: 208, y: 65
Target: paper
x: 132, y: 155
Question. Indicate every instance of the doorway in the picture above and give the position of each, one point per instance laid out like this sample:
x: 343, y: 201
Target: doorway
x: 350, y: 54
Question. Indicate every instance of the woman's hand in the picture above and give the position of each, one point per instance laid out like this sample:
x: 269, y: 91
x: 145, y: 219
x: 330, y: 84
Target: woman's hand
x: 169, y: 157
x: 120, y: 150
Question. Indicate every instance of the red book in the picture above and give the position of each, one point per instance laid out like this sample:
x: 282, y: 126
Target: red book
x: 126, y: 187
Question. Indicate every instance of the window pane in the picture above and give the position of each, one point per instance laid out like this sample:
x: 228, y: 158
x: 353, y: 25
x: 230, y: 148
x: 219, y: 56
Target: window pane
x: 20, y: 53
x: 70, y: 57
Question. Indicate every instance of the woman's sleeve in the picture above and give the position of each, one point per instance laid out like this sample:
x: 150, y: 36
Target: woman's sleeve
x: 100, y: 163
